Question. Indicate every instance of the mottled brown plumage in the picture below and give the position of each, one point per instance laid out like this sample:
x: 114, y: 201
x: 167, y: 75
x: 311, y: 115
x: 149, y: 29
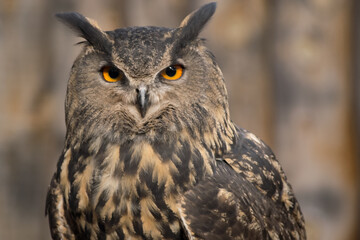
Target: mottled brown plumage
x: 147, y: 157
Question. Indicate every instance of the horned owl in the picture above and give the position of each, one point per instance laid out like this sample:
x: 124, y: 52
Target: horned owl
x: 150, y: 150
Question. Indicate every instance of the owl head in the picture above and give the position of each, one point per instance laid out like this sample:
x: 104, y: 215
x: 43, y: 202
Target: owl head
x: 144, y: 80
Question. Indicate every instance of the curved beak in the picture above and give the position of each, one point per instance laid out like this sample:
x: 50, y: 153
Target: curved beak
x: 142, y: 100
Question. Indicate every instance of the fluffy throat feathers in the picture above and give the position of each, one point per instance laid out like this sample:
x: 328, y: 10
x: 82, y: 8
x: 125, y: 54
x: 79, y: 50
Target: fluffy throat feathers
x: 139, y: 165
x: 158, y: 162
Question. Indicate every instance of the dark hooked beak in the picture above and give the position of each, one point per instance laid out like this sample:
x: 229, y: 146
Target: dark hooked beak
x: 142, y: 100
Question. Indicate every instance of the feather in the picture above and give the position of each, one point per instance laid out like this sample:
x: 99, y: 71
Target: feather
x: 87, y: 29
x: 244, y: 199
x: 192, y: 25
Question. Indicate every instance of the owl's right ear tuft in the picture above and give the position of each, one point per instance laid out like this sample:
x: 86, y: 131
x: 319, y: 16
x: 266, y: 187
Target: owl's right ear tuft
x: 86, y: 29
x: 192, y: 25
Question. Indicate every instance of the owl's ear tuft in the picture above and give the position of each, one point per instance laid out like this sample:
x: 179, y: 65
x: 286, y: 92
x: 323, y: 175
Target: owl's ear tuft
x: 192, y: 25
x: 87, y: 29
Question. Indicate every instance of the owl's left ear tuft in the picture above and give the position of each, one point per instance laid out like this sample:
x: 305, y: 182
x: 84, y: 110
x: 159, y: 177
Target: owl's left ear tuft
x: 87, y: 29
x: 192, y: 25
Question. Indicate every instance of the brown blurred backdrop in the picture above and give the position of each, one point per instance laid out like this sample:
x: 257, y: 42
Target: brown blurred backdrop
x: 292, y: 69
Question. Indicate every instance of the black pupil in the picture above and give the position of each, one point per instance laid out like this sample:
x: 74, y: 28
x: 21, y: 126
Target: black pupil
x: 114, y: 72
x: 170, y: 71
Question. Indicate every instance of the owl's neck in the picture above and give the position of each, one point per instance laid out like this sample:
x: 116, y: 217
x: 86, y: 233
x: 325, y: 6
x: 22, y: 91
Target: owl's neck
x: 186, y: 155
x: 184, y: 145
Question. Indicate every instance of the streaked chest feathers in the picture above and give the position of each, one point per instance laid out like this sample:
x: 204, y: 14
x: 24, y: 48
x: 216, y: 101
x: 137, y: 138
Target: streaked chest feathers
x: 133, y: 184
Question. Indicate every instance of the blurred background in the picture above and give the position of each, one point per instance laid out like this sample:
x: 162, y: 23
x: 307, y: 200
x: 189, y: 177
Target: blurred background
x: 292, y: 68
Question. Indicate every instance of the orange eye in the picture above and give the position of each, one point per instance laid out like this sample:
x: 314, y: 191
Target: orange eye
x: 111, y: 74
x: 173, y: 72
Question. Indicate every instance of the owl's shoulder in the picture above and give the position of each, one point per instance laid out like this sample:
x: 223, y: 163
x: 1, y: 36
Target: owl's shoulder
x: 248, y: 197
x: 255, y: 161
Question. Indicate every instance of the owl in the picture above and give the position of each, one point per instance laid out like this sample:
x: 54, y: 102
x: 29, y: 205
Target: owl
x: 150, y: 150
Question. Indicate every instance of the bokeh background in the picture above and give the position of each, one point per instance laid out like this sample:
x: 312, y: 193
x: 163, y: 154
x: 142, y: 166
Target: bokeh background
x: 292, y: 68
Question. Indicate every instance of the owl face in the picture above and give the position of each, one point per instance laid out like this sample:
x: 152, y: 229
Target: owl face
x: 144, y: 78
